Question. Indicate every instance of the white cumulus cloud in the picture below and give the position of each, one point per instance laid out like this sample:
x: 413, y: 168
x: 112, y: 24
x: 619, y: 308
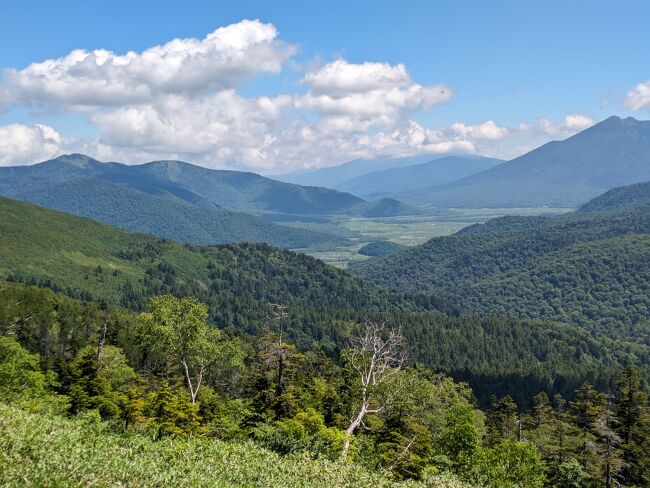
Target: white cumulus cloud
x: 182, y: 66
x: 367, y: 93
x: 639, y: 97
x: 21, y: 144
x: 571, y: 124
x: 220, y: 128
x: 486, y: 130
x: 342, y: 78
x: 181, y: 100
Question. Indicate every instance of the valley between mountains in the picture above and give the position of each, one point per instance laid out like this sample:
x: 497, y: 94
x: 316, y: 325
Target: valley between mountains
x: 513, y: 309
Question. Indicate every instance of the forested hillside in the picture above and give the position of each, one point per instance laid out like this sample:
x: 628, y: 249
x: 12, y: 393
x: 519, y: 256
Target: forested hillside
x: 171, y: 388
x: 186, y: 203
x: 592, y: 270
x: 232, y: 190
x: 380, y: 248
x: 619, y: 198
x: 167, y: 215
x: 464, y: 303
x: 93, y: 261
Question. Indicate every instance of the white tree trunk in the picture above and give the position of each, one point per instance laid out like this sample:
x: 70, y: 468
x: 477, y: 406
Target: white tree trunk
x: 350, y: 430
x: 194, y: 391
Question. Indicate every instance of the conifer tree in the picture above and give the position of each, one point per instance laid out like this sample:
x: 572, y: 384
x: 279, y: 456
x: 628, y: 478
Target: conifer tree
x: 587, y: 409
x: 502, y: 422
x: 633, y: 413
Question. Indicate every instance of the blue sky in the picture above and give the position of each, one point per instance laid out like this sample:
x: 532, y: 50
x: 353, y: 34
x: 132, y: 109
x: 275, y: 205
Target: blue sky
x: 507, y: 62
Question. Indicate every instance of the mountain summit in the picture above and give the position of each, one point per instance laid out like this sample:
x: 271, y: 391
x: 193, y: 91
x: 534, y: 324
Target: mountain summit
x: 566, y: 173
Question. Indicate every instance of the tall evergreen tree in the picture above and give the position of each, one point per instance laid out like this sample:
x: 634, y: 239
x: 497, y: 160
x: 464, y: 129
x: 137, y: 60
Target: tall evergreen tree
x: 502, y: 422
x: 633, y: 413
x: 587, y: 409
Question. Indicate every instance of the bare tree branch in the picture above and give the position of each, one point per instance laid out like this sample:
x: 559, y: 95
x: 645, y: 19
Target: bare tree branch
x: 376, y: 356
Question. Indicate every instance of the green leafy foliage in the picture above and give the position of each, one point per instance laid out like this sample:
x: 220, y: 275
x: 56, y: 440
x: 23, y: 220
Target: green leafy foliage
x: 175, y: 330
x: 510, y: 464
x: 47, y: 451
x: 419, y: 425
x: 20, y: 376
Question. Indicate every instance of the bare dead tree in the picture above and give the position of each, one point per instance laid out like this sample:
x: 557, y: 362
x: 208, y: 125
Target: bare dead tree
x: 278, y: 317
x: 102, y: 339
x: 376, y: 356
x: 278, y: 351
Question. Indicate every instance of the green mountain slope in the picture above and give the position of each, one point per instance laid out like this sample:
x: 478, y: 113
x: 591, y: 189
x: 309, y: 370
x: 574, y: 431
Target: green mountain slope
x: 183, y: 202
x: 234, y: 190
x: 380, y: 248
x: 254, y: 193
x: 94, y: 261
x: 565, y: 173
x: 89, y: 256
x: 385, y: 207
x: 181, y: 218
x: 625, y: 197
x: 248, y: 191
x: 586, y: 269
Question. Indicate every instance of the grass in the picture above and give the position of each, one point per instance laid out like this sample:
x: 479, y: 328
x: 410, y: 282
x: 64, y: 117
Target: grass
x: 409, y: 230
x: 39, y: 241
x: 54, y: 451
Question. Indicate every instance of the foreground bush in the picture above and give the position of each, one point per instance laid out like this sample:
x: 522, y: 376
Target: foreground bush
x: 38, y: 450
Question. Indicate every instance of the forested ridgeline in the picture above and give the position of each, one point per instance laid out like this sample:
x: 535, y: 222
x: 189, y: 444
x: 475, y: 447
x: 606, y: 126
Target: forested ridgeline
x: 623, y: 197
x: 239, y: 283
x: 589, y: 269
x: 165, y: 386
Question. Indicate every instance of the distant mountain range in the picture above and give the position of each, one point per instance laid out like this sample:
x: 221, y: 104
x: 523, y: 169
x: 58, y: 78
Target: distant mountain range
x: 565, y: 173
x: 333, y: 176
x: 416, y: 177
x: 189, y: 203
x: 181, y: 201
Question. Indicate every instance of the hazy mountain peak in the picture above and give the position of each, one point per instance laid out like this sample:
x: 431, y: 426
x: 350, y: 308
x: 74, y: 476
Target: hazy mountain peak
x: 417, y: 176
x: 168, y: 163
x: 567, y: 173
x: 75, y: 159
x: 614, y: 123
x: 612, y: 119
